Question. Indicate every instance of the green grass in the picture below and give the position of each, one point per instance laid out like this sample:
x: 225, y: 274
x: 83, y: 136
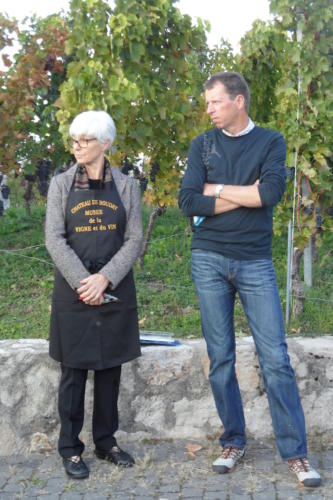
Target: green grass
x: 26, y: 275
x: 166, y: 296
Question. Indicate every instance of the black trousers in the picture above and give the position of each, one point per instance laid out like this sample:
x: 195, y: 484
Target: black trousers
x: 71, y: 409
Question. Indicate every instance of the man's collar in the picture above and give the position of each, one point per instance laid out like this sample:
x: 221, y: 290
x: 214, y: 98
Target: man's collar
x: 245, y: 131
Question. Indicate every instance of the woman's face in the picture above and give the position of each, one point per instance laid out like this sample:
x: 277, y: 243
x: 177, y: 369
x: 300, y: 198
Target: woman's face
x: 87, y: 150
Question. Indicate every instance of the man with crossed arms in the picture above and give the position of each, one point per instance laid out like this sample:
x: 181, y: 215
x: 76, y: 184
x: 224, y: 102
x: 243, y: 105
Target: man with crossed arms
x: 235, y: 175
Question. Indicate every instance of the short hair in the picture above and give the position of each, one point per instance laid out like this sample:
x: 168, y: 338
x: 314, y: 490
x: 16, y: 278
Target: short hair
x: 97, y: 124
x: 234, y: 83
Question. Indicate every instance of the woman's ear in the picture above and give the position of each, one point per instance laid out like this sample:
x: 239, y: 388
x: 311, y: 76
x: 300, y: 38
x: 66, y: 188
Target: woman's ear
x: 106, y: 145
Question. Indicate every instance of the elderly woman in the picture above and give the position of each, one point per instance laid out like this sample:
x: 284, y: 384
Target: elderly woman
x: 94, y: 235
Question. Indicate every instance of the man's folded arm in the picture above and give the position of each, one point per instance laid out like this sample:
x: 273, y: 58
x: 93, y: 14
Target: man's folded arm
x: 244, y: 196
x: 273, y: 173
x: 235, y: 197
x: 191, y: 199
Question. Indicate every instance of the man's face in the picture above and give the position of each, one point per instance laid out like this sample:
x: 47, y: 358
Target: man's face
x: 223, y: 111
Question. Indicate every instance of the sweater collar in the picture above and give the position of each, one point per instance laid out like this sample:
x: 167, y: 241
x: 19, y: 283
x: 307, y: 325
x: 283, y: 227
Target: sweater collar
x: 246, y: 130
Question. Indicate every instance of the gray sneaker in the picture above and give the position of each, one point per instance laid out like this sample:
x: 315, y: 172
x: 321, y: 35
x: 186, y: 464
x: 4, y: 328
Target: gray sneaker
x: 229, y: 458
x: 305, y: 474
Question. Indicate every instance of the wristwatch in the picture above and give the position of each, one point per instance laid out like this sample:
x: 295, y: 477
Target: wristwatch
x: 218, y: 190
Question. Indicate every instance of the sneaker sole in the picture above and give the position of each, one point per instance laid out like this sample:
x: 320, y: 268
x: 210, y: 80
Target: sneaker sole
x: 310, y: 483
x: 222, y: 469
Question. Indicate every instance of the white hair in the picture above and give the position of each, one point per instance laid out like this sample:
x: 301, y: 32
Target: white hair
x: 94, y: 124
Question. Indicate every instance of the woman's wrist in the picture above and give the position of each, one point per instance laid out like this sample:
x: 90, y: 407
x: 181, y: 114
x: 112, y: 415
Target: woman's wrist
x: 105, y: 280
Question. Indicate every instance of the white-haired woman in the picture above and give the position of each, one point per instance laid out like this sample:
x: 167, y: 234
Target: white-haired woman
x: 94, y: 235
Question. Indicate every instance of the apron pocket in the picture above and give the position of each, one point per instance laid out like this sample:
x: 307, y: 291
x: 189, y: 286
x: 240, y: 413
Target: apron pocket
x: 79, y: 337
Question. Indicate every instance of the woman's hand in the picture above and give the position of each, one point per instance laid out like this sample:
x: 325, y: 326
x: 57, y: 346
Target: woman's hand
x: 97, y: 302
x: 91, y: 291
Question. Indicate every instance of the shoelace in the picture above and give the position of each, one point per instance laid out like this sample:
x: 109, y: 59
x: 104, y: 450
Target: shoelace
x: 230, y: 452
x: 299, y: 465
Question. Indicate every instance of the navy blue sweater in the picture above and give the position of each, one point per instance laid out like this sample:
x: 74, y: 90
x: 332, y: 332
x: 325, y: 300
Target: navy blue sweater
x: 243, y: 233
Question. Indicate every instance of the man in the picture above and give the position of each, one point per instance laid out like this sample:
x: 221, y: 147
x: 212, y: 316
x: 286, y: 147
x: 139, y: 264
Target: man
x: 234, y: 177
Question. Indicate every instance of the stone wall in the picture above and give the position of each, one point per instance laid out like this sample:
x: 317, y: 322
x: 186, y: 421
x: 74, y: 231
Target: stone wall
x: 164, y: 394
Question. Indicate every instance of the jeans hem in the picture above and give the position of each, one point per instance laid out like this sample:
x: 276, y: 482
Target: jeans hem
x: 233, y: 446
x: 294, y: 457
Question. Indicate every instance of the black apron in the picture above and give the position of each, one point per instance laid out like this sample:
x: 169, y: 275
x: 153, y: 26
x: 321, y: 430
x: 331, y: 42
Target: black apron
x: 94, y: 337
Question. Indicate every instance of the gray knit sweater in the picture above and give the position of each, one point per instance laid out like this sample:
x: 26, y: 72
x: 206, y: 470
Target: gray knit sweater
x: 64, y: 257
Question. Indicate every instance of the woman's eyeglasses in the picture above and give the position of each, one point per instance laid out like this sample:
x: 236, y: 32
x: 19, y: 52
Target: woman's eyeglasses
x: 83, y: 143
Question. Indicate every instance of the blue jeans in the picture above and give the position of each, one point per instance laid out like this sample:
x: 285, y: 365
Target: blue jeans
x: 217, y: 279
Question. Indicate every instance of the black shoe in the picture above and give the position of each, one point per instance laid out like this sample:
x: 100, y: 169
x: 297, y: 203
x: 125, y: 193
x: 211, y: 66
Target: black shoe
x: 75, y: 467
x: 115, y: 455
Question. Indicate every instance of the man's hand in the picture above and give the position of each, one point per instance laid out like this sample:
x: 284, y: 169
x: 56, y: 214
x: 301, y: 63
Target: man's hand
x: 91, y: 291
x: 209, y: 189
x: 238, y: 196
x: 221, y: 206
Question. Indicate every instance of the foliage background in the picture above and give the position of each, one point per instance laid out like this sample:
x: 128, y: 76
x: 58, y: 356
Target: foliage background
x: 145, y: 63
x: 166, y: 296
